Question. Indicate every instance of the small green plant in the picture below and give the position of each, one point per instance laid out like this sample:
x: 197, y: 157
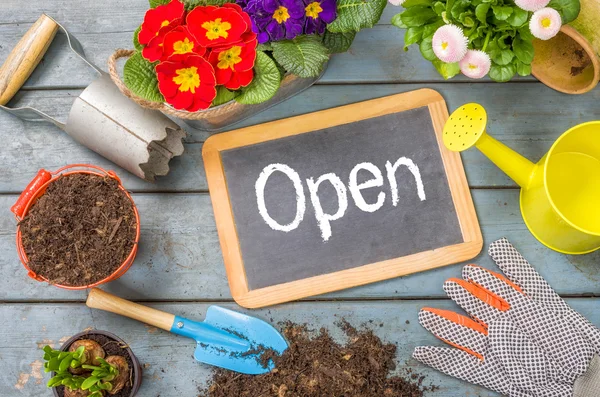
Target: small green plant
x: 96, y: 381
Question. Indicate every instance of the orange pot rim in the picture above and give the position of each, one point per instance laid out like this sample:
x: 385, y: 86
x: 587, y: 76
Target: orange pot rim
x: 64, y: 171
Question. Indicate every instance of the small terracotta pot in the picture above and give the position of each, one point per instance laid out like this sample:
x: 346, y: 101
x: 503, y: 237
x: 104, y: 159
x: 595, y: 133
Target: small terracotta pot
x: 37, y: 187
x: 567, y: 62
x: 137, y: 367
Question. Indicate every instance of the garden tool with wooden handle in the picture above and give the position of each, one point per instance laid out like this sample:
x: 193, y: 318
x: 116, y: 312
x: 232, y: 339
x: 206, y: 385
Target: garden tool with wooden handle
x: 225, y: 338
x: 139, y: 140
x: 523, y: 340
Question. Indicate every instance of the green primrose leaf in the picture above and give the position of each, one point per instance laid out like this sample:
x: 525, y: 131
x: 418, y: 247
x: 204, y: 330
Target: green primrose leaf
x: 139, y: 76
x: 413, y: 35
x: 502, y: 73
x: 568, y: 9
x: 502, y: 57
x: 397, y: 21
x: 264, y: 47
x: 447, y: 70
x: 156, y: 3
x: 89, y: 382
x: 223, y: 96
x: 427, y: 50
x: 418, y: 16
x: 523, y: 50
x: 136, y: 40
x: 518, y: 17
x: 502, y: 12
x: 354, y: 15
x: 338, y: 42
x: 523, y: 69
x: 481, y: 12
x: 265, y: 83
x: 303, y: 56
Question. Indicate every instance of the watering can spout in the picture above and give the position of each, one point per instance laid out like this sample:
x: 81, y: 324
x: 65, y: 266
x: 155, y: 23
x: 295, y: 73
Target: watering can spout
x: 466, y: 128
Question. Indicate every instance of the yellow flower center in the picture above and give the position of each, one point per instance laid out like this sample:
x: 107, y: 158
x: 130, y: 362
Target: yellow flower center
x: 183, y: 47
x: 444, y: 45
x: 230, y: 57
x: 473, y: 67
x: 546, y: 22
x: 163, y: 24
x: 313, y: 10
x: 281, y: 14
x: 187, y: 79
x: 216, y: 29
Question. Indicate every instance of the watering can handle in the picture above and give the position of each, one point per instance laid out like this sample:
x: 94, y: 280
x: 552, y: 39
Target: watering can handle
x: 98, y: 299
x: 23, y: 59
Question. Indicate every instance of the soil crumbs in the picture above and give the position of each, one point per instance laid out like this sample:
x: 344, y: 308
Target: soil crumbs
x: 112, y: 348
x: 80, y: 230
x: 317, y: 366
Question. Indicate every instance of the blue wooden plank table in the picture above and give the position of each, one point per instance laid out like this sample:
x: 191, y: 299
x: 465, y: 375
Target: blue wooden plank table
x: 179, y: 267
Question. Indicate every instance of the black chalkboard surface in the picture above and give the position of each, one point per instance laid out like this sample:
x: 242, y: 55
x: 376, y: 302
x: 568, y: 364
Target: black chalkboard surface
x: 335, y: 198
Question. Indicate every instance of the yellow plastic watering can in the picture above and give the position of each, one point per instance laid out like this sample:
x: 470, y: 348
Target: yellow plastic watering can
x: 560, y: 195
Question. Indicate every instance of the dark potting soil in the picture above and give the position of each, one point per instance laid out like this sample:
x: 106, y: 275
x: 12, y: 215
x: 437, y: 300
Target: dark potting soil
x: 112, y: 348
x: 317, y: 366
x: 80, y: 231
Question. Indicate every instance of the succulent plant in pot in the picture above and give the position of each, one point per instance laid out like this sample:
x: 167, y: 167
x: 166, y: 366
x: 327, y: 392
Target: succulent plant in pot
x: 93, y: 364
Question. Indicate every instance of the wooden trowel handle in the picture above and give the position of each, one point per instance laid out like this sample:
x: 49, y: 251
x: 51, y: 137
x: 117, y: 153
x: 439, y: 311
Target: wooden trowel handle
x: 98, y: 299
x: 23, y: 59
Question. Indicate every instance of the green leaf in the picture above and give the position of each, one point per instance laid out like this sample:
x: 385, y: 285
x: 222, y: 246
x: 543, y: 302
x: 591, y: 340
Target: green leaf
x: 65, y: 363
x: 447, y: 70
x: 136, y: 41
x: 338, y: 42
x: 525, y: 33
x: 502, y: 57
x: 429, y: 30
x: 417, y: 16
x: 303, y: 56
x: 223, y: 96
x: 518, y: 18
x: 413, y: 3
x: 89, y: 382
x: 139, y: 76
x: 523, y: 69
x: 523, y: 50
x: 502, y: 73
x: 439, y: 8
x: 397, y: 21
x: 427, y: 50
x: 156, y: 3
x: 502, y: 12
x: 568, y: 9
x: 481, y: 12
x: 264, y: 47
x: 354, y: 15
x: 265, y: 83
x: 413, y: 35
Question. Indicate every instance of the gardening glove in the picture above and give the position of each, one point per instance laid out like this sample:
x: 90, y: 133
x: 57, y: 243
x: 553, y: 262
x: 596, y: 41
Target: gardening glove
x: 522, y: 340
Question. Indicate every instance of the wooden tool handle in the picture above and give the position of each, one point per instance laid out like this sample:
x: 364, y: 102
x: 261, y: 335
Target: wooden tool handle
x: 98, y: 299
x: 23, y: 59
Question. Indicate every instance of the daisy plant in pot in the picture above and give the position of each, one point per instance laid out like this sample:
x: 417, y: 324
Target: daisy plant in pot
x: 192, y: 55
x: 482, y: 37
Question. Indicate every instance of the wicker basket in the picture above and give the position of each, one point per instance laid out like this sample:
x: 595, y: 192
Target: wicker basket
x: 218, y: 117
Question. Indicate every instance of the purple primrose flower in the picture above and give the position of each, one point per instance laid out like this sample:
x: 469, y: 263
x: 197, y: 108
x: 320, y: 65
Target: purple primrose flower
x: 318, y: 14
x: 274, y: 20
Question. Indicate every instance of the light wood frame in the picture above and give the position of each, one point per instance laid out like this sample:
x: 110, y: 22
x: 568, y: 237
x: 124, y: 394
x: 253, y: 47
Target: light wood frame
x: 365, y: 274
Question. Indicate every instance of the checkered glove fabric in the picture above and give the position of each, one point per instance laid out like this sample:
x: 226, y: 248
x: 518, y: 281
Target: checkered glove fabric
x: 522, y: 339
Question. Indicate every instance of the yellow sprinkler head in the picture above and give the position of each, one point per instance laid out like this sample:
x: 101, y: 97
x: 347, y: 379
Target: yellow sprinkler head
x: 464, y: 127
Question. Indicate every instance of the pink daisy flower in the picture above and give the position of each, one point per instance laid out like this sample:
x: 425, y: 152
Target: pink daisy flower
x: 545, y: 23
x: 476, y: 64
x: 449, y: 43
x: 532, y: 5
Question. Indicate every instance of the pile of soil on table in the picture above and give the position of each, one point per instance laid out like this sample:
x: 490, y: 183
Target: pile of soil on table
x: 112, y: 348
x: 80, y: 230
x: 317, y: 366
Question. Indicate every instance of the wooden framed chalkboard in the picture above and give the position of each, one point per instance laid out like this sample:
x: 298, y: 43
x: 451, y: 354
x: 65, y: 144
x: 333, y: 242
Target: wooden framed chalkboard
x: 339, y: 198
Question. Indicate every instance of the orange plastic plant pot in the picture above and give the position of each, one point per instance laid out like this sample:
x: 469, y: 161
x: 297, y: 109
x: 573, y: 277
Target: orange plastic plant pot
x: 37, y: 187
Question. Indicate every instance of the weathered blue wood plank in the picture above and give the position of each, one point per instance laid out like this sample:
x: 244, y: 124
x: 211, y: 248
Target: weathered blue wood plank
x: 180, y: 256
x: 170, y: 368
x: 530, y: 120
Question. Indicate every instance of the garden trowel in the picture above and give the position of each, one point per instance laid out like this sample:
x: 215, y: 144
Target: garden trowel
x: 225, y: 338
x: 141, y: 141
